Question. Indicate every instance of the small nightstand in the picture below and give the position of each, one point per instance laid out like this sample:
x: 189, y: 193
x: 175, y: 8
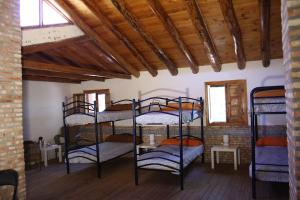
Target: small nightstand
x: 222, y: 148
x: 46, y: 148
x: 145, y: 146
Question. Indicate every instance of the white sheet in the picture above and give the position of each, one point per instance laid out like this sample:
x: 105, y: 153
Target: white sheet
x: 271, y: 155
x: 108, y: 150
x: 163, y: 118
x: 106, y: 116
x: 270, y: 107
x: 189, y: 154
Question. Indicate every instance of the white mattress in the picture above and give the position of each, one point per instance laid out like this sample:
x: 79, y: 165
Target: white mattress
x: 108, y: 150
x: 163, y: 118
x: 189, y: 154
x: 270, y: 107
x: 106, y: 116
x: 271, y: 155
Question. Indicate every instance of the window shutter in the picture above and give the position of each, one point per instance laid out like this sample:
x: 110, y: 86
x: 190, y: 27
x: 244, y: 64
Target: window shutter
x: 236, y: 102
x: 107, y: 99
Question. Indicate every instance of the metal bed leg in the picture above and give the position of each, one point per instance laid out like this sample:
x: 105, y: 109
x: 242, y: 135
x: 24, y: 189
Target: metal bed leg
x: 181, y: 138
x: 202, y: 134
x: 253, y: 181
x: 98, y: 170
x: 168, y: 131
x: 141, y: 134
x: 113, y: 127
x: 181, y: 181
x: 136, y: 175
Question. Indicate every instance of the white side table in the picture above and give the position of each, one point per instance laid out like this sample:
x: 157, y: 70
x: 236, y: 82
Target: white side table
x: 145, y: 146
x: 222, y: 148
x: 46, y: 148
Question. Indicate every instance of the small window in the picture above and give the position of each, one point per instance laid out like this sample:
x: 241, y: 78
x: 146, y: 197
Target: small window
x: 38, y: 13
x: 216, y: 104
x: 101, y: 96
x: 226, y: 103
x: 51, y: 15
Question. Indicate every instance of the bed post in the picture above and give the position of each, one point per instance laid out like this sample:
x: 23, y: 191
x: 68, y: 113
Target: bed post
x: 255, y: 127
x: 136, y: 178
x: 66, y: 139
x: 253, y: 141
x: 97, y: 140
x: 113, y: 127
x: 141, y: 132
x: 202, y: 129
x: 140, y: 127
x: 168, y: 131
x: 181, y: 150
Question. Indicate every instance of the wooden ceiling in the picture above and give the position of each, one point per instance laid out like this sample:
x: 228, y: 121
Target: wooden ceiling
x: 123, y: 38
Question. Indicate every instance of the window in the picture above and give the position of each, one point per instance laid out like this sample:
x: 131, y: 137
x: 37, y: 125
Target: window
x: 101, y: 96
x: 40, y: 13
x: 226, y: 102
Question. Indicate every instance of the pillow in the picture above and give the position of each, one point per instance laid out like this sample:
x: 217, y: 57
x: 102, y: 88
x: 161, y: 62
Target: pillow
x: 119, y: 107
x: 272, y: 141
x: 125, y: 137
x: 184, y: 106
x: 191, y: 142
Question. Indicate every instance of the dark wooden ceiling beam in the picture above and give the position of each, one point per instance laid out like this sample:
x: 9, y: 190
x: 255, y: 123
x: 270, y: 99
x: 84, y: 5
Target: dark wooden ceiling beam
x: 97, y: 12
x: 77, y: 77
x: 265, y: 10
x: 102, y: 56
x: 119, y: 4
x: 52, y: 45
x: 235, y: 30
x: 37, y: 65
x: 97, y: 39
x: 49, y: 55
x: 84, y: 56
x: 203, y: 32
x: 172, y: 30
x: 49, y: 79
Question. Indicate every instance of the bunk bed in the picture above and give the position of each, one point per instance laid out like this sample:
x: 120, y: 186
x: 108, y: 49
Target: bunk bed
x: 269, y: 154
x: 174, y: 154
x: 78, y: 112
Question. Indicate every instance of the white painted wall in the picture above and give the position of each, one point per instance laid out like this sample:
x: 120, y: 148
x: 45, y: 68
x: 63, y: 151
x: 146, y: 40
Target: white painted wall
x: 163, y: 83
x: 49, y: 34
x: 42, y: 108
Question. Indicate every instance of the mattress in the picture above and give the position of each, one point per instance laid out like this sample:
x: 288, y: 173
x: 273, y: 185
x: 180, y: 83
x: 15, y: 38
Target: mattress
x: 270, y: 107
x: 164, y: 118
x: 266, y: 159
x: 108, y: 150
x: 106, y: 116
x: 152, y: 161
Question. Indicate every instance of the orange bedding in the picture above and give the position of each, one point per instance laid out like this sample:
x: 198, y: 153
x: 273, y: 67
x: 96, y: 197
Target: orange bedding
x: 270, y: 93
x: 272, y: 141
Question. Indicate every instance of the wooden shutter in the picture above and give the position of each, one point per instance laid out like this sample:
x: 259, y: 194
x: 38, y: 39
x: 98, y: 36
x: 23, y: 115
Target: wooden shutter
x: 107, y: 99
x: 236, y: 102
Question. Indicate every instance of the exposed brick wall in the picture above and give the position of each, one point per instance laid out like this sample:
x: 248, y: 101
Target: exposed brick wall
x: 290, y: 14
x: 11, y: 133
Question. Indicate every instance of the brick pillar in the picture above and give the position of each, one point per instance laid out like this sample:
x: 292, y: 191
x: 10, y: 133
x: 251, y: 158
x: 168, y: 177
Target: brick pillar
x: 11, y: 133
x: 290, y: 13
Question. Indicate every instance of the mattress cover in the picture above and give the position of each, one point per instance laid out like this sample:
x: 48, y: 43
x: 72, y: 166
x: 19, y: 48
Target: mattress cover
x: 108, y: 150
x: 270, y: 107
x: 106, y: 116
x: 164, y: 118
x: 152, y: 161
x: 271, y: 162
